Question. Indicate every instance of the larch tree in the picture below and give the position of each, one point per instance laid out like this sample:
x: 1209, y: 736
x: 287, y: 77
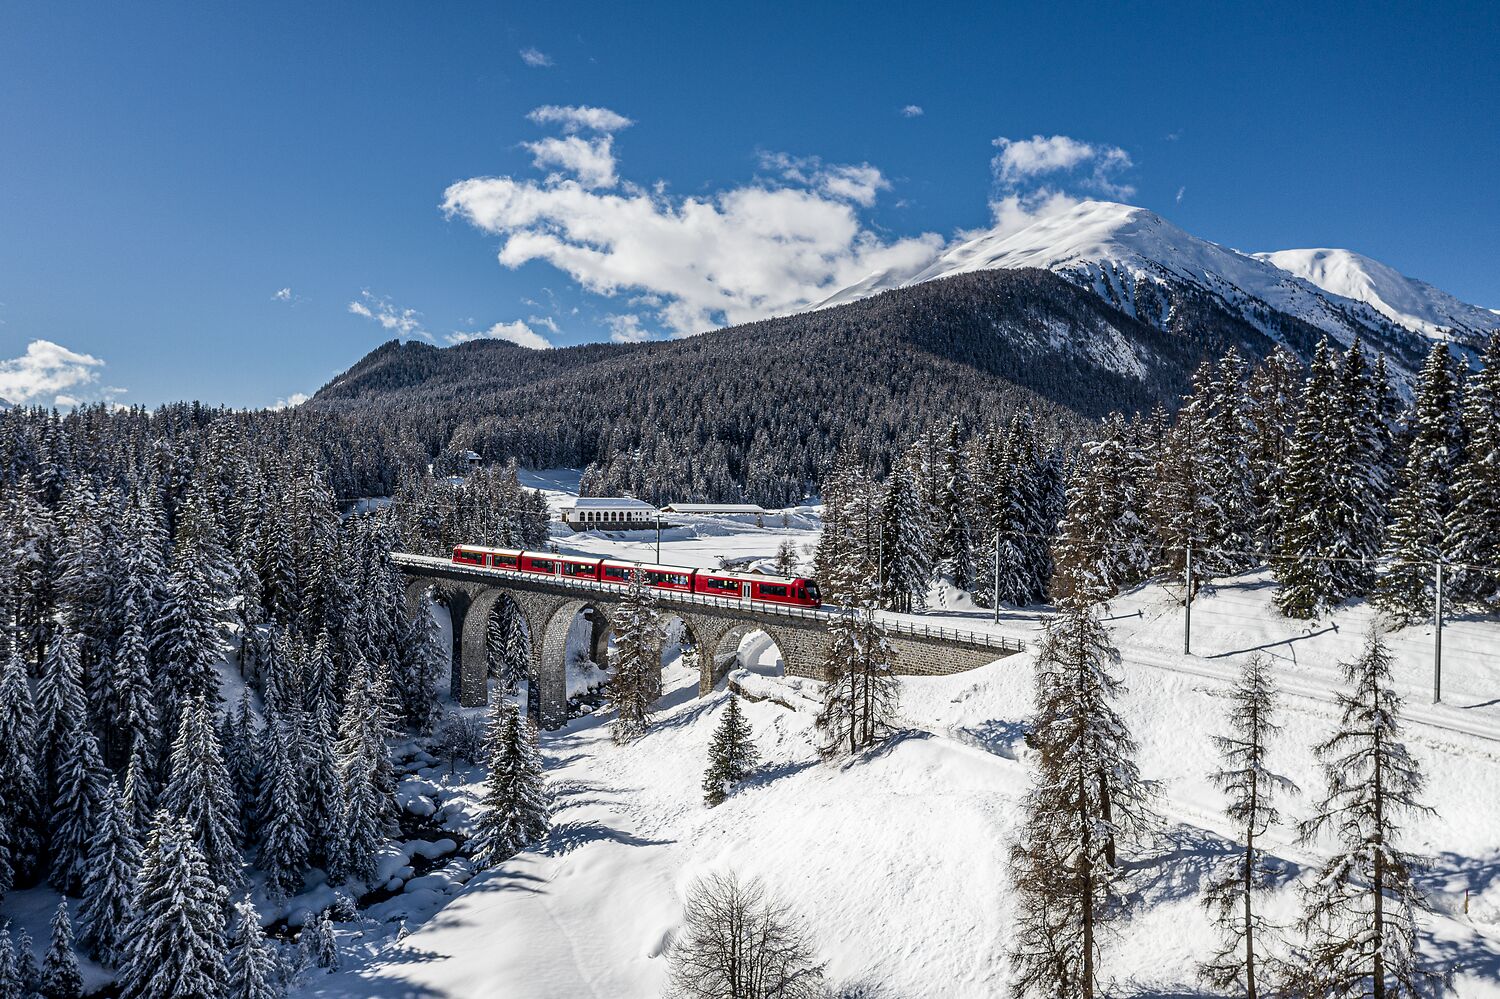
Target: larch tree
x: 517, y: 807
x: 1360, y: 908
x: 860, y: 691
x: 175, y: 942
x: 732, y: 755
x: 1086, y: 795
x: 637, y: 662
x: 1251, y: 788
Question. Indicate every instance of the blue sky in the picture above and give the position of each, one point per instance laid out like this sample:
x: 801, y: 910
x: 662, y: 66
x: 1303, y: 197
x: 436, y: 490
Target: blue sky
x: 233, y: 203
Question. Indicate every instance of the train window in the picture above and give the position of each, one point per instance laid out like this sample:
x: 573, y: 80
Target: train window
x: 577, y: 569
x: 505, y: 561
x: 542, y: 564
x: 616, y: 572
x: 722, y: 585
x: 773, y: 589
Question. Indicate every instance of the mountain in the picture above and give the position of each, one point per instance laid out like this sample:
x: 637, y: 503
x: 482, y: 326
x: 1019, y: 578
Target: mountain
x: 1151, y: 270
x: 1416, y: 305
x: 763, y: 406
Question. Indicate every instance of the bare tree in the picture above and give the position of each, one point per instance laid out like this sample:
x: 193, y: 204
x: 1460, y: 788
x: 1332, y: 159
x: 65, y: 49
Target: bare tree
x: 739, y: 943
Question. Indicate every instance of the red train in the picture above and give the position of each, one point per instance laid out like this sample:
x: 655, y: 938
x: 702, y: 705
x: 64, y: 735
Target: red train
x: 737, y: 586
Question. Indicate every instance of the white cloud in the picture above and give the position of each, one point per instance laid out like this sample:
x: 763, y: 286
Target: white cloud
x: 48, y: 369
x: 912, y: 111
x: 402, y: 322
x: 592, y: 161
x: 546, y: 322
x: 859, y: 183
x: 577, y: 118
x: 627, y: 329
x: 535, y: 57
x: 744, y: 253
x: 292, y: 401
x: 1019, y: 161
x: 516, y: 332
x: 1180, y: 192
x: 282, y: 295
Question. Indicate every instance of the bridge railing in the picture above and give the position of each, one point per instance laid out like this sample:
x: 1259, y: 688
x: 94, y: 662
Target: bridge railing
x: 892, y: 626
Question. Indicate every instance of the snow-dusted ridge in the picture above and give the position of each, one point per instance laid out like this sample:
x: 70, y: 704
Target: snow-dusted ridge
x: 1135, y: 259
x: 1414, y: 304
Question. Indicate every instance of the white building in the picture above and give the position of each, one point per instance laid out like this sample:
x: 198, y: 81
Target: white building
x: 714, y: 509
x: 608, y: 513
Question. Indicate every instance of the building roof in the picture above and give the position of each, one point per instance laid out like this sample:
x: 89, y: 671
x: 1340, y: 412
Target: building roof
x: 609, y: 503
x: 713, y: 508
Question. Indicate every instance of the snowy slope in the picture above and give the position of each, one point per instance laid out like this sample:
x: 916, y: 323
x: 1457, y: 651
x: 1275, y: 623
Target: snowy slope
x: 1140, y: 262
x: 1414, y: 304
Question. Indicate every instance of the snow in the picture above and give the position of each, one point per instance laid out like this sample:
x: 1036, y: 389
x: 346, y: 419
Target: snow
x: 1114, y: 249
x: 1414, y: 304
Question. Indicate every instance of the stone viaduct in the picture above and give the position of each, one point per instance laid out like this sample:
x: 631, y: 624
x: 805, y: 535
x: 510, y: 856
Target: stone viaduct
x: 549, y: 606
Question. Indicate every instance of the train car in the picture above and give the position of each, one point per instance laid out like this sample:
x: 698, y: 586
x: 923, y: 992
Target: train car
x: 487, y: 558
x: 658, y: 577
x: 749, y: 588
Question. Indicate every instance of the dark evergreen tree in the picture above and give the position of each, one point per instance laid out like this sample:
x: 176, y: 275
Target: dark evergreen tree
x: 77, y: 800
x: 109, y: 882
x: 954, y: 556
x: 199, y: 791
x: 904, y: 543
x: 636, y: 682
x: 1243, y: 960
x: 367, y: 807
x: 1103, y: 543
x: 1418, y: 535
x: 1309, y: 578
x: 732, y: 755
x: 20, y: 817
x: 284, y: 846
x: 517, y: 810
x: 61, y: 978
x: 1474, y: 522
x: 175, y: 942
x: 11, y: 985
x: 252, y: 962
x: 1361, y: 907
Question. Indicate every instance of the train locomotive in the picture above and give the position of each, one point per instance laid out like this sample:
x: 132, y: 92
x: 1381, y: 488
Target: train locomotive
x: 737, y: 587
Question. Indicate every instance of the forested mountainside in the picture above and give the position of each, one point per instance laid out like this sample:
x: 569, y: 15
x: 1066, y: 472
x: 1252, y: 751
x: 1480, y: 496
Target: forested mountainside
x: 759, y: 410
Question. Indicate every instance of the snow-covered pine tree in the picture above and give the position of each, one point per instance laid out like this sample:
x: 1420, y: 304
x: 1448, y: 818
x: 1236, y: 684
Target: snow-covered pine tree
x: 11, y: 985
x: 1086, y: 794
x: 313, y: 741
x: 731, y: 755
x: 904, y: 542
x: 1360, y: 908
x: 252, y: 962
x: 1241, y: 963
x: 1361, y: 477
x: 175, y: 942
x: 421, y: 667
x: 1271, y: 413
x: 1418, y: 535
x: 1103, y: 544
x: 187, y: 644
x: 860, y: 693
x: 319, y: 942
x: 637, y: 662
x: 199, y: 791
x: 77, y: 799
x: 282, y: 817
x: 1474, y: 523
x: 139, y: 793
x: 27, y: 968
x: 786, y: 559
x: 60, y: 709
x: 953, y: 555
x: 367, y: 807
x: 61, y: 978
x: 517, y: 650
x: 237, y: 734
x: 1307, y: 513
x: 109, y: 881
x: 130, y: 710
x: 20, y: 840
x: 517, y: 809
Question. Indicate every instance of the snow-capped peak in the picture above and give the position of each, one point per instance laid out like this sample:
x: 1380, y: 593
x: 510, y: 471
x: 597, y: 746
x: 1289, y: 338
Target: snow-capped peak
x: 1414, y: 304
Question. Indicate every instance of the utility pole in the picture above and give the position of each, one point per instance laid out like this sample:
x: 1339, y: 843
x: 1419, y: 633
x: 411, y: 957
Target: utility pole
x: 1187, y: 605
x: 658, y: 538
x: 997, y: 575
x: 1437, y: 641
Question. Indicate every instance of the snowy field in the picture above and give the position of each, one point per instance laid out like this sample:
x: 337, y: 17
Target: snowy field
x: 897, y: 861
